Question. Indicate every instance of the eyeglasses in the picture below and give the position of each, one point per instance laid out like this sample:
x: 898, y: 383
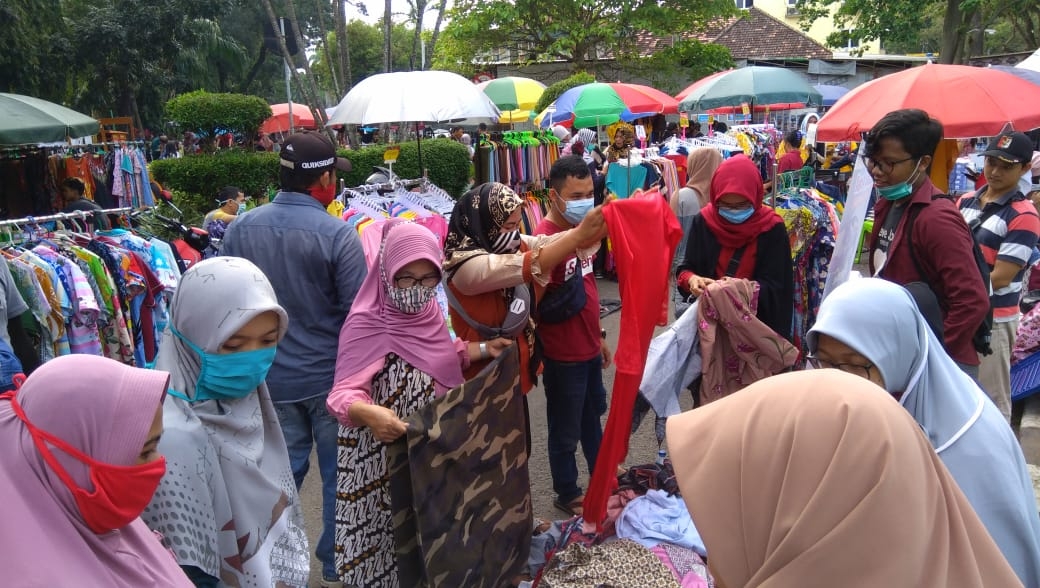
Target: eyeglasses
x: 429, y: 281
x: 856, y: 369
x: 886, y: 167
x: 736, y: 207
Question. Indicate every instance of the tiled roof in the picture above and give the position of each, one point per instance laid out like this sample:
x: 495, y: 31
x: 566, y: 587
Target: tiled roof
x: 750, y: 35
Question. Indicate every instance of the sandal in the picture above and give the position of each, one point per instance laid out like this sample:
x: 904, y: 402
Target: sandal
x: 573, y: 508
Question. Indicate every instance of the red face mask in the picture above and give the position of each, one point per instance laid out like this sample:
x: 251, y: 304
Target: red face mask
x: 324, y: 195
x: 120, y: 494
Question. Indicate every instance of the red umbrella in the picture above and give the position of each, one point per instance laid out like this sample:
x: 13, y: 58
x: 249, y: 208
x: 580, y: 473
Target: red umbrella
x: 635, y: 97
x: 693, y: 87
x: 279, y: 121
x: 969, y: 101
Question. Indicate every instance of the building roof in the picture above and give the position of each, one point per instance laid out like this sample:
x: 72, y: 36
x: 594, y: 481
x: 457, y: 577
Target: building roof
x: 753, y: 34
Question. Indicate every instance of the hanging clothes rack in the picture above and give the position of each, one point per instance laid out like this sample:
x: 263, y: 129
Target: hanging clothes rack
x: 76, y: 214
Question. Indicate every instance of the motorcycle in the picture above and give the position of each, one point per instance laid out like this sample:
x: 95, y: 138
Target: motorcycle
x: 192, y: 244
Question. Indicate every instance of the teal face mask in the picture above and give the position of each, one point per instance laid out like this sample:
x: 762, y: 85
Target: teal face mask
x: 902, y: 189
x: 241, y: 207
x: 225, y: 376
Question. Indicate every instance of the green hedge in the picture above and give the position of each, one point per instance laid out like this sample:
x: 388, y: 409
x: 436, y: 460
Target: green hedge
x: 196, y: 179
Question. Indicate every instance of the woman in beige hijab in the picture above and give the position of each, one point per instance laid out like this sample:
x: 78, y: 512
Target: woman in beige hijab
x: 701, y: 164
x: 819, y: 478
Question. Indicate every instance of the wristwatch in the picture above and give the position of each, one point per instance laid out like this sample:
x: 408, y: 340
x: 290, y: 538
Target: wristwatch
x: 483, y: 351
x: 603, y: 333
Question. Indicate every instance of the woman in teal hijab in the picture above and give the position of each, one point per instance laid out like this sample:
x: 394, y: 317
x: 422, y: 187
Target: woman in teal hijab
x: 872, y: 328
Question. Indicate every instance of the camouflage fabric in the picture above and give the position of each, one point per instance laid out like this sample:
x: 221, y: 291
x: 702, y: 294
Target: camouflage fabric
x: 459, y: 485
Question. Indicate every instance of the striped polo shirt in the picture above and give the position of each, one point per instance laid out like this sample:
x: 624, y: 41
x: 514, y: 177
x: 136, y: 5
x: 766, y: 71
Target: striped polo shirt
x: 1009, y: 234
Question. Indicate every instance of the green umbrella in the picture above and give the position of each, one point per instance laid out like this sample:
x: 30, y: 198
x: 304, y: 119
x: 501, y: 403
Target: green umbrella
x: 751, y: 85
x: 26, y: 120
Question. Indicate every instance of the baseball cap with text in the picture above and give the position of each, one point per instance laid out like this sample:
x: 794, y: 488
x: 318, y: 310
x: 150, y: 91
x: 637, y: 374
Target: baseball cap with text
x: 1011, y: 147
x: 311, y: 151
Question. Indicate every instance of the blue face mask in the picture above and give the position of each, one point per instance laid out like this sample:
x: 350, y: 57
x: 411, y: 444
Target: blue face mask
x: 225, y: 376
x: 736, y: 216
x: 900, y: 190
x: 577, y: 209
x: 241, y: 207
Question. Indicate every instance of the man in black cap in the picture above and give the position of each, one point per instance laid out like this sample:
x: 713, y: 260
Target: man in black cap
x: 1006, y: 228
x: 316, y: 264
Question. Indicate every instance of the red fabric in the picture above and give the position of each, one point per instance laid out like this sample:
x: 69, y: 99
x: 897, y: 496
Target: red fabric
x: 680, y: 165
x: 577, y: 338
x: 644, y: 234
x: 791, y: 161
x: 943, y: 247
x: 738, y: 175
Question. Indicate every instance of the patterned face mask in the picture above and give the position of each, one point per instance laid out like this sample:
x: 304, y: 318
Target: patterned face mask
x: 411, y: 300
x: 507, y: 242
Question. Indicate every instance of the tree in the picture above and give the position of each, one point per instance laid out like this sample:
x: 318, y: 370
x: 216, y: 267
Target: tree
x: 366, y: 52
x: 568, y: 30
x: 33, y: 50
x: 209, y: 113
x: 553, y: 92
x: 956, y: 29
x: 684, y: 60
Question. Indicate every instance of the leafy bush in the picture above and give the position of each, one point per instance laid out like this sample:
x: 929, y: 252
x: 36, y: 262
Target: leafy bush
x: 447, y: 163
x: 208, y: 113
x: 196, y: 179
x: 203, y: 175
x: 553, y: 92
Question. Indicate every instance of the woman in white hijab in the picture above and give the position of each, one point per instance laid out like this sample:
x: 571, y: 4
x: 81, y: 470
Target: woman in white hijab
x: 228, y: 505
x: 872, y: 328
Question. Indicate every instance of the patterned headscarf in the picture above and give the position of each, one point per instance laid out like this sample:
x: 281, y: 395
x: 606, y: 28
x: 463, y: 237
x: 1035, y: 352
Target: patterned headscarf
x: 476, y: 222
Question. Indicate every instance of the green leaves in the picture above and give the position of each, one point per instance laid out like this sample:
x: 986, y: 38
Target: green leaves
x: 204, y: 112
x: 195, y: 179
x: 484, y: 31
x: 553, y: 92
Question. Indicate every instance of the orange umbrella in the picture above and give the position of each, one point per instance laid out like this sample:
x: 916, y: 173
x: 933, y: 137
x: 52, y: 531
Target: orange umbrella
x: 968, y: 101
x: 279, y: 121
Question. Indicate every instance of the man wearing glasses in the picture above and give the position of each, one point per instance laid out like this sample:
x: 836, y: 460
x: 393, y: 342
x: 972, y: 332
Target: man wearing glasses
x: 919, y: 236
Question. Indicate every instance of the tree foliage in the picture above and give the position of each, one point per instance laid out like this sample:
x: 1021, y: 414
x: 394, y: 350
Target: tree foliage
x: 955, y: 29
x: 366, y: 52
x: 684, y: 60
x: 553, y: 92
x: 569, y: 30
x: 208, y: 113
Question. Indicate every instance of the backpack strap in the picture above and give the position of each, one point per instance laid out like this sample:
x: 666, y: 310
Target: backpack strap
x: 734, y: 262
x: 516, y: 315
x: 913, y: 212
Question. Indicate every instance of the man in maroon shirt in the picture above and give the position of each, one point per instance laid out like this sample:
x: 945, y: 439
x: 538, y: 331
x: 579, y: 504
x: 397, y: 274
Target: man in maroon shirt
x: 898, y: 153
x: 575, y: 349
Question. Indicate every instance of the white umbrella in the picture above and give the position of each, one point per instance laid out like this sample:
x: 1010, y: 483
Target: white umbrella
x: 1032, y: 62
x: 414, y: 96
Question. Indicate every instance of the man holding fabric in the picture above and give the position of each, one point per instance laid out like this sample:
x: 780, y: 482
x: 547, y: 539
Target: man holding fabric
x: 574, y: 346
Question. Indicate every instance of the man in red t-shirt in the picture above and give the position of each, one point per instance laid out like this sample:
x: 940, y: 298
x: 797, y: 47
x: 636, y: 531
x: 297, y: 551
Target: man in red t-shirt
x: 574, y: 346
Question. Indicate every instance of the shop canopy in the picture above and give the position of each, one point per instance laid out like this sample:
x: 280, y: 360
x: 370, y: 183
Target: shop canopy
x: 27, y: 120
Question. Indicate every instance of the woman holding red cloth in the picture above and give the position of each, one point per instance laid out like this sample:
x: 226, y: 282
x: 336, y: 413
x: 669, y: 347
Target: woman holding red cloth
x: 736, y: 236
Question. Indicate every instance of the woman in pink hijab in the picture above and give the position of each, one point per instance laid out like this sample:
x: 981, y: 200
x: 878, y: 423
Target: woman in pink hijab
x: 78, y: 467
x: 395, y: 356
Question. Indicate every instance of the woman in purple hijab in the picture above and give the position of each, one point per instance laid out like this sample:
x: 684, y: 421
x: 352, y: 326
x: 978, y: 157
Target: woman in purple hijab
x: 78, y: 467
